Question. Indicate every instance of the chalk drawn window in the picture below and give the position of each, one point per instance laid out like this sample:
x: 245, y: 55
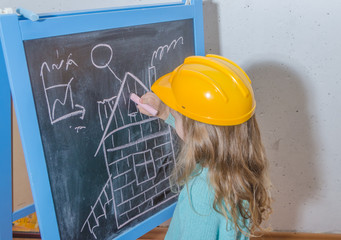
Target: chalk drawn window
x: 144, y: 166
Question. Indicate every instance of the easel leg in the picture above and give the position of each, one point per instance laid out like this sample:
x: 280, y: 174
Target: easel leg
x: 5, y: 154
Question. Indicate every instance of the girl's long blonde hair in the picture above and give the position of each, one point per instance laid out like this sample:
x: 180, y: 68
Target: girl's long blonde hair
x: 237, y: 165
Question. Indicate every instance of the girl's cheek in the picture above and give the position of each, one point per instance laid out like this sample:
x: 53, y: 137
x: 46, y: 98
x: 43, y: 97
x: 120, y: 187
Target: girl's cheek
x: 178, y: 123
x: 179, y: 127
x: 179, y: 130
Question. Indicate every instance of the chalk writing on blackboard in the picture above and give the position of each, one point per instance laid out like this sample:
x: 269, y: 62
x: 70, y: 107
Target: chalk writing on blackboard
x: 134, y: 150
x: 108, y: 165
x: 159, y: 53
x: 62, y: 107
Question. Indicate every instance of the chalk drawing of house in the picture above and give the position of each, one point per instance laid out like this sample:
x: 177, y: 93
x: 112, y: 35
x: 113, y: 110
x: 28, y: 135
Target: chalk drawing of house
x: 139, y: 155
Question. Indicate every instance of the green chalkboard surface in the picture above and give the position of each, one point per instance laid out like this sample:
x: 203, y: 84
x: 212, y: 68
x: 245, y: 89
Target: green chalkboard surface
x: 108, y: 165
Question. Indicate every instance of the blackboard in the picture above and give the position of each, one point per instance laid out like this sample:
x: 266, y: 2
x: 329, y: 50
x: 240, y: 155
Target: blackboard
x: 108, y: 165
x: 85, y: 57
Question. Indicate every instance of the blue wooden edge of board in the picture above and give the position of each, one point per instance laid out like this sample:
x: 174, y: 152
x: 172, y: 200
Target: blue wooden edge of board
x: 5, y: 153
x: 13, y: 31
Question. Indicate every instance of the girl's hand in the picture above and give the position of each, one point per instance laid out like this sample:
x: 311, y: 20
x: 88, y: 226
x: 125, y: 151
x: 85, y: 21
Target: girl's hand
x: 154, y: 101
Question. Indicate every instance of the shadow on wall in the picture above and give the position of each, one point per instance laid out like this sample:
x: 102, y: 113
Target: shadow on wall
x: 286, y: 126
x: 211, y: 27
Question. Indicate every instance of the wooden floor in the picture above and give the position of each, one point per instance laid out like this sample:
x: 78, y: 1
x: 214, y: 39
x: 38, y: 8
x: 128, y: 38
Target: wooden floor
x: 160, y: 232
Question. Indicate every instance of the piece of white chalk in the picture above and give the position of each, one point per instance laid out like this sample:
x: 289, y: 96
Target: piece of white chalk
x: 148, y: 108
x: 28, y: 14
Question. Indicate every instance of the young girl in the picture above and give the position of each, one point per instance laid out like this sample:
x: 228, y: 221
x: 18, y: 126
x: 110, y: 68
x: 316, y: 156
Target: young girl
x: 210, y: 103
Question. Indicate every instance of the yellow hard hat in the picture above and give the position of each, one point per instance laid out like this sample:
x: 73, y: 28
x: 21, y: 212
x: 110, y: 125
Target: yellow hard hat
x: 209, y: 89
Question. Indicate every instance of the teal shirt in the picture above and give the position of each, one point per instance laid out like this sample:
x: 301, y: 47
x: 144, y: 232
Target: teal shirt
x: 194, y: 217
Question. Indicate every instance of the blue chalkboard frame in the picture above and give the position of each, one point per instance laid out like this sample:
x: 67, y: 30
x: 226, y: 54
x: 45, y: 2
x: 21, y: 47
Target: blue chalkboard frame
x: 13, y: 31
x: 5, y: 151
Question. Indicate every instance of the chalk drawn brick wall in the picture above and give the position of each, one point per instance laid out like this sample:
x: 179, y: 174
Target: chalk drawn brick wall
x: 141, y: 173
x: 138, y: 152
x: 139, y: 156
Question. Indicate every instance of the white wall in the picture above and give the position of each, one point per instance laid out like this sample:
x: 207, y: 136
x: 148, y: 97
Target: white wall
x: 292, y: 51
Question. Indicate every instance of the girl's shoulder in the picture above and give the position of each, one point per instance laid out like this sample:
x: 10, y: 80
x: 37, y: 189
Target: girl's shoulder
x: 199, y: 179
x: 199, y: 191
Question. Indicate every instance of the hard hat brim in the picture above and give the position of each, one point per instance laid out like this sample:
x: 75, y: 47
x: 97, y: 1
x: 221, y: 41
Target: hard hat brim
x: 163, y: 89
